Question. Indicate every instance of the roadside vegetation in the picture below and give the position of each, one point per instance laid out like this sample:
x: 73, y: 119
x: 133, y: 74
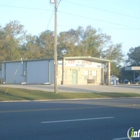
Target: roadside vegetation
x: 14, y: 94
x: 17, y: 43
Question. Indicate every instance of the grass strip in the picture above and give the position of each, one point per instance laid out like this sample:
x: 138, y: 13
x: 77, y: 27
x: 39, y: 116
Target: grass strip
x: 15, y: 94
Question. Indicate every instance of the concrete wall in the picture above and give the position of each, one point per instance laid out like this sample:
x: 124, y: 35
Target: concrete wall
x: 84, y: 72
x: 81, y: 77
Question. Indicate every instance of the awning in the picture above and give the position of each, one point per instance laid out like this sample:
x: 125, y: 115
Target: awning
x: 88, y: 58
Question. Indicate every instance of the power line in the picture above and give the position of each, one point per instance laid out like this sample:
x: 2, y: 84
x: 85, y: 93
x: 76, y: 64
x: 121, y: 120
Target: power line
x: 98, y: 20
x: 29, y: 8
x: 59, y: 2
x: 50, y: 20
x: 52, y: 15
x: 60, y: 25
x: 26, y: 8
x: 102, y: 9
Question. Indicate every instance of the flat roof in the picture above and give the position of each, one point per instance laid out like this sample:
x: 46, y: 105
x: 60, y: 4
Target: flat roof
x: 88, y: 58
x: 25, y: 60
x: 132, y: 68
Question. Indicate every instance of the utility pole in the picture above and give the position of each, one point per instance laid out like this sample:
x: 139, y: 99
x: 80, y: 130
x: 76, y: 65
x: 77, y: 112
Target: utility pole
x: 55, y: 45
x: 55, y: 50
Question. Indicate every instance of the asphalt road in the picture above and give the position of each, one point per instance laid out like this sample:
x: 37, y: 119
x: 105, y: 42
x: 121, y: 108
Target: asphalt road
x: 104, y: 119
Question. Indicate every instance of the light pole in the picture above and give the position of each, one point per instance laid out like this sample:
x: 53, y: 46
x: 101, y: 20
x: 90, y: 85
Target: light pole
x: 55, y: 45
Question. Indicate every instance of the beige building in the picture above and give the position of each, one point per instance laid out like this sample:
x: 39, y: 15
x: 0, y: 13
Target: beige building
x: 82, y: 70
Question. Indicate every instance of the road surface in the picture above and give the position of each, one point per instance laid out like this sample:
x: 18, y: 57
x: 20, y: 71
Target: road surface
x: 103, y: 119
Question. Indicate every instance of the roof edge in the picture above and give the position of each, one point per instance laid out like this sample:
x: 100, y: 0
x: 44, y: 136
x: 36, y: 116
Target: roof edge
x: 88, y: 58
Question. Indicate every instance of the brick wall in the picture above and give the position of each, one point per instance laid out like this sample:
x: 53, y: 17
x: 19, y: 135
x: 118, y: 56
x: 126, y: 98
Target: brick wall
x: 83, y: 73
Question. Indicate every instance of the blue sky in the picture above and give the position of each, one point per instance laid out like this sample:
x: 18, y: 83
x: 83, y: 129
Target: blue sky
x: 118, y: 18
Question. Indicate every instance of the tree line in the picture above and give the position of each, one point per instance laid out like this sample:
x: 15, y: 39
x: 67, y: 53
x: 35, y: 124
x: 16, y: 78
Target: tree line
x: 133, y: 59
x: 16, y: 43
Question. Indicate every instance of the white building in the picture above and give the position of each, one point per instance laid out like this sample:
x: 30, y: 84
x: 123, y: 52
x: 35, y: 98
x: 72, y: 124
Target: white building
x: 114, y: 80
x: 28, y: 71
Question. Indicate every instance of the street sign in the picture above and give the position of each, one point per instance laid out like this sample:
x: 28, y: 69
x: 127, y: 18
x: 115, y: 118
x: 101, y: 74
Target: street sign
x: 132, y: 68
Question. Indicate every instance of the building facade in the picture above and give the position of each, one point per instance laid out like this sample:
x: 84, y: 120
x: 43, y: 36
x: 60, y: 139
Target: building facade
x: 71, y: 71
x: 79, y: 71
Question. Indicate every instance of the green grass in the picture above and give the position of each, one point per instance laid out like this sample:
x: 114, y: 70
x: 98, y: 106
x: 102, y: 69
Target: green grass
x: 14, y: 94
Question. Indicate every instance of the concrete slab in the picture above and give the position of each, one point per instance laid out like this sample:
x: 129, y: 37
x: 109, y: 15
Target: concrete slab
x: 81, y: 88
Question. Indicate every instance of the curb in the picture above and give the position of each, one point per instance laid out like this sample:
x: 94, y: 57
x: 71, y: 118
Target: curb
x: 76, y: 99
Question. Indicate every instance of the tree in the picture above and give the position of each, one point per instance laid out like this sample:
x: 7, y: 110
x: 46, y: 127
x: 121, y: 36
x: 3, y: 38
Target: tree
x: 68, y: 40
x: 37, y: 47
x: 2, y: 51
x: 114, y: 53
x: 31, y: 49
x: 129, y: 75
x: 80, y: 42
x: 46, y: 43
x: 134, y: 56
x: 16, y: 30
x: 16, y: 44
x: 134, y: 59
x: 90, y: 42
x: 11, y: 37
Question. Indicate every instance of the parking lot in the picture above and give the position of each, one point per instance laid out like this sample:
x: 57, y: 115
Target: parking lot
x: 81, y: 88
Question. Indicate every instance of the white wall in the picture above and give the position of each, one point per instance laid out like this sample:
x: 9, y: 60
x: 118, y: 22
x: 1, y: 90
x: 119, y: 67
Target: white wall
x: 37, y: 72
x: 52, y: 71
x: 13, y: 72
x: 31, y: 72
x: 2, y: 71
x: 0, y: 75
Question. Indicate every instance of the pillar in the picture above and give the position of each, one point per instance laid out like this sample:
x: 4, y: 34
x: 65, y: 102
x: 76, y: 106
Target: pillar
x: 108, y: 73
x: 102, y: 74
x: 63, y: 71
